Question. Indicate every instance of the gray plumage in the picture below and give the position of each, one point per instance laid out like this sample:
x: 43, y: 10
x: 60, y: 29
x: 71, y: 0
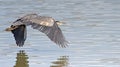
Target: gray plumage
x: 44, y: 24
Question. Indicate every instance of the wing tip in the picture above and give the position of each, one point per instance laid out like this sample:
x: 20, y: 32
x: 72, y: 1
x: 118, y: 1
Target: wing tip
x: 63, y: 44
x: 20, y: 44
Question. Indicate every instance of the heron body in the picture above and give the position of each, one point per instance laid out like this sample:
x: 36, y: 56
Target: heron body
x: 44, y: 24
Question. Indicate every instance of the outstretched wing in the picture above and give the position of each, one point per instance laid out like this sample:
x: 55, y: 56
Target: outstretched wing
x: 20, y: 35
x: 53, y: 32
x: 46, y: 25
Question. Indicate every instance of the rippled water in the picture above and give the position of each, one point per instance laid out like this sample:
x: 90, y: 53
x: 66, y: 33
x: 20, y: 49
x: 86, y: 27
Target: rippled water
x: 91, y: 26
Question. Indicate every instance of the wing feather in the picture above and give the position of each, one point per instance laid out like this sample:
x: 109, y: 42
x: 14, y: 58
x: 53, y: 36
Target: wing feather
x: 54, y: 33
x: 34, y: 18
x: 20, y: 35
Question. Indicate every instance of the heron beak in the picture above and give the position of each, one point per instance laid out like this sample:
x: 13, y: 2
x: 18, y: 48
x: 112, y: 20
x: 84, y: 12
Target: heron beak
x: 9, y: 29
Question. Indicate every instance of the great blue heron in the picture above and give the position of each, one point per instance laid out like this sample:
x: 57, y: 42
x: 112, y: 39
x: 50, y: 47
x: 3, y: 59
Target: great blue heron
x: 44, y: 24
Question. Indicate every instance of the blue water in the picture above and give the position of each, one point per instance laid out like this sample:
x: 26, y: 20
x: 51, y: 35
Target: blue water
x: 91, y: 26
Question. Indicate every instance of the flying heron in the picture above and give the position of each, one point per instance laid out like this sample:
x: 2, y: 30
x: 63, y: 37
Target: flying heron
x: 44, y: 24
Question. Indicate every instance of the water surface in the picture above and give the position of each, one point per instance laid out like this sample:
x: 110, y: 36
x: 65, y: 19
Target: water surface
x: 91, y: 26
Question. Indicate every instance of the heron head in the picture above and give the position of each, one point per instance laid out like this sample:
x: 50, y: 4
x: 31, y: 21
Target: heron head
x: 60, y: 22
x: 11, y: 28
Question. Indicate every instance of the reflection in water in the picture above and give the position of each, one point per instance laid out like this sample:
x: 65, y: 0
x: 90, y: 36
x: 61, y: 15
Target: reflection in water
x: 21, y: 59
x: 61, y: 62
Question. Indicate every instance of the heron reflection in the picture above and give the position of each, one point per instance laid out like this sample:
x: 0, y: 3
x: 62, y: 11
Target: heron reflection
x: 44, y: 24
x: 61, y: 62
x: 22, y: 59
